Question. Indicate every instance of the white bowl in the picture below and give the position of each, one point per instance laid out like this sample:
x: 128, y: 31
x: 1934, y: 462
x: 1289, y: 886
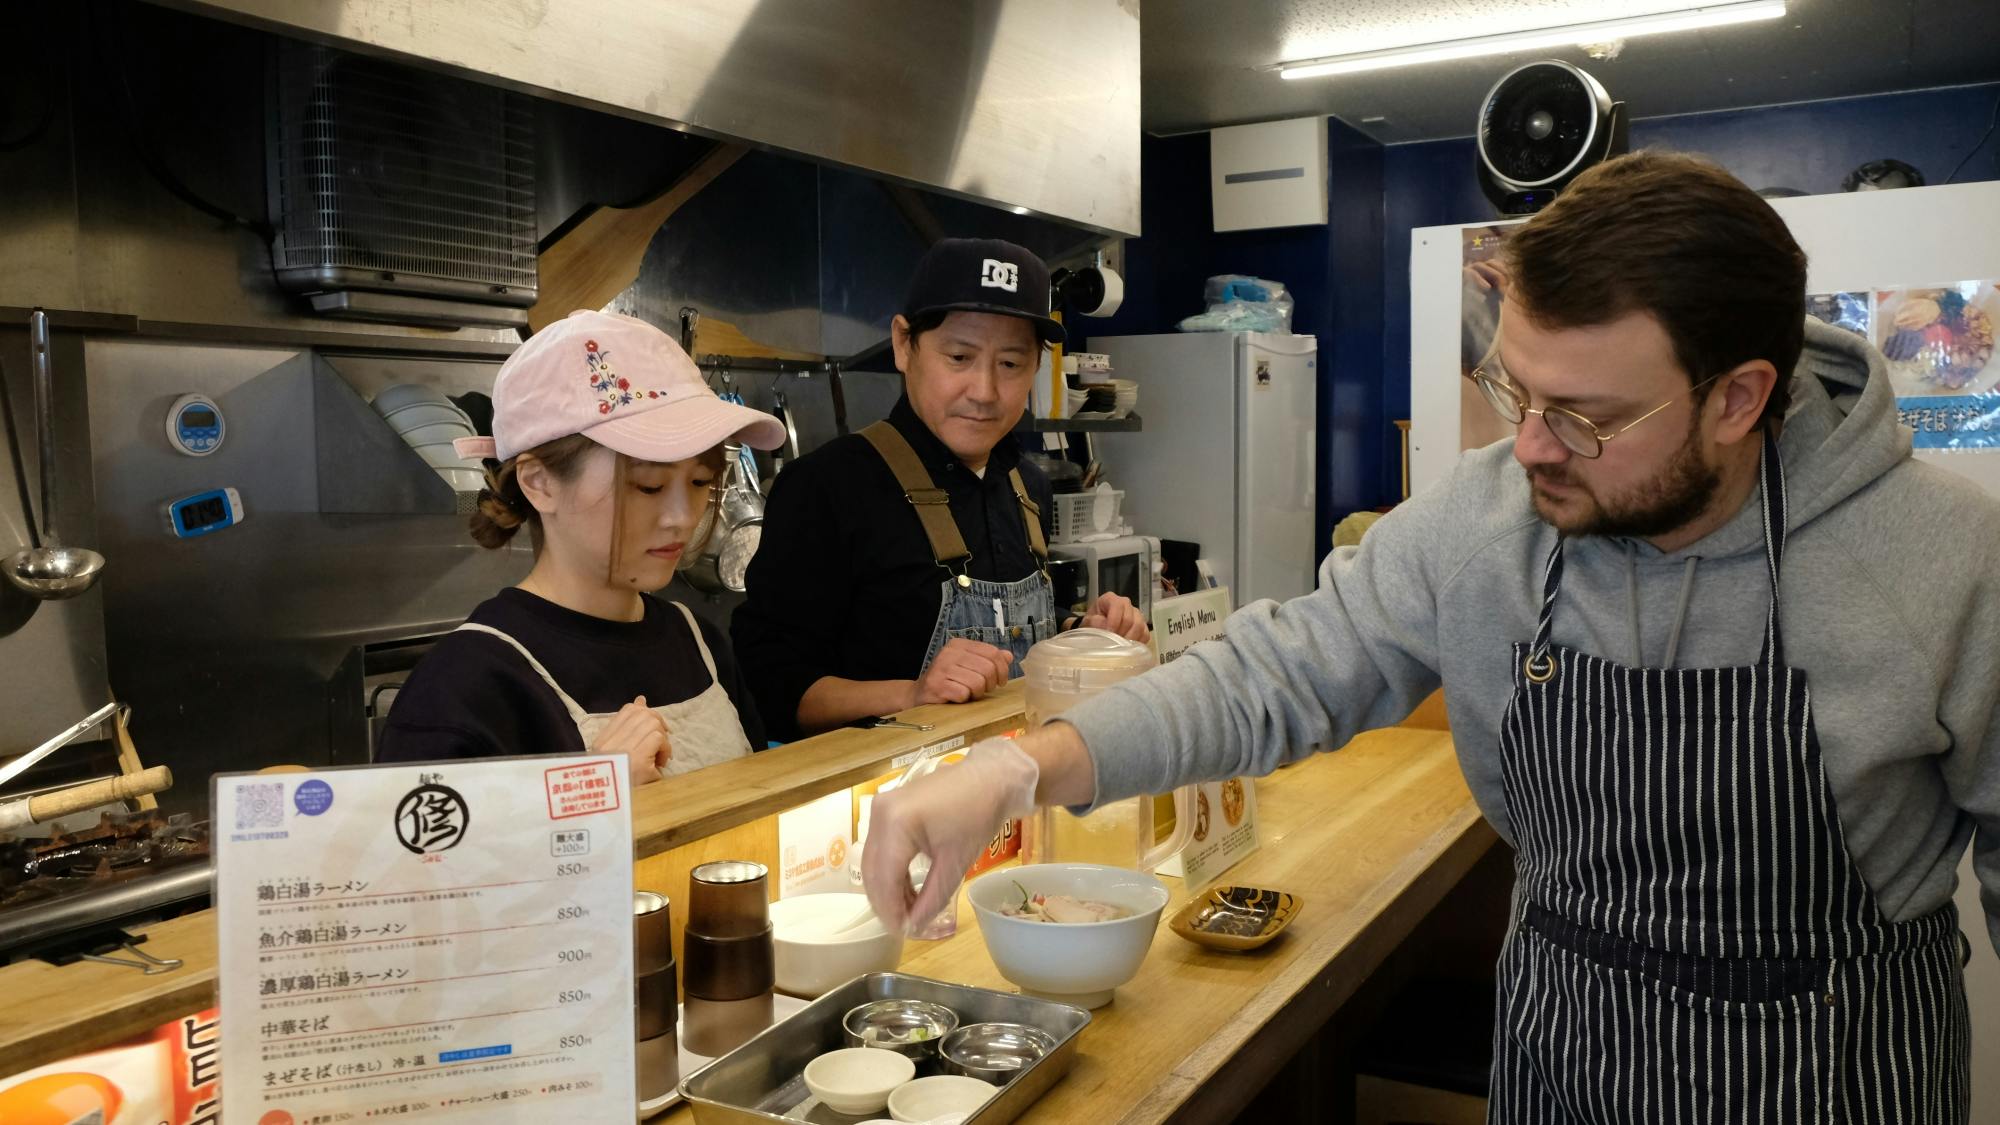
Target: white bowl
x: 463, y: 480
x: 404, y: 394
x: 857, y: 1080
x: 435, y: 433
x: 811, y: 961
x: 1080, y: 962
x: 417, y: 415
x: 444, y: 455
x: 939, y: 1095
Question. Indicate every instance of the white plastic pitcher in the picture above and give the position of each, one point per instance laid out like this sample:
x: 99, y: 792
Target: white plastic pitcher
x: 1058, y: 674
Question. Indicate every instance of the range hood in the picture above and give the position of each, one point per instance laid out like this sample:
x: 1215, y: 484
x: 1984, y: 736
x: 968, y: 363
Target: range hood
x: 1029, y: 104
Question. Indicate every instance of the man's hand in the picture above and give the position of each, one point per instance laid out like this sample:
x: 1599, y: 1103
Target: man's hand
x: 1116, y: 613
x: 963, y: 671
x: 946, y: 816
x: 638, y: 732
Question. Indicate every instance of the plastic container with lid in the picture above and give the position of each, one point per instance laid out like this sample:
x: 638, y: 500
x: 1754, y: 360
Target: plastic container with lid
x: 1058, y: 674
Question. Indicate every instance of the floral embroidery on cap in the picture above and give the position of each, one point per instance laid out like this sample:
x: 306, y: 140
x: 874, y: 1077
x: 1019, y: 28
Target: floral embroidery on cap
x: 613, y: 390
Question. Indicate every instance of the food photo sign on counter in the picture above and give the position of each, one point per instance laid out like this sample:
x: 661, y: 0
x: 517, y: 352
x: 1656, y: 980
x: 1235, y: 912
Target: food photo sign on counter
x: 1225, y: 812
x: 167, y: 1077
x: 437, y: 942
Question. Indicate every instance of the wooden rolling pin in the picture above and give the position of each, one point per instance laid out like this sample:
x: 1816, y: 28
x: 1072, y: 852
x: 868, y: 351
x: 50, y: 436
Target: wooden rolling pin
x: 62, y: 802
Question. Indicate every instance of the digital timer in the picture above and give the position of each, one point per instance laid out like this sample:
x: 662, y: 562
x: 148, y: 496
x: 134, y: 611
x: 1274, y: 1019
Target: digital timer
x: 194, y: 425
x: 204, y: 512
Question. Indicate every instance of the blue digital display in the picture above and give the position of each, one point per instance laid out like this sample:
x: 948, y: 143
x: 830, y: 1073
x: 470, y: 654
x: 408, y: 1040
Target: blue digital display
x: 199, y: 427
x: 201, y: 513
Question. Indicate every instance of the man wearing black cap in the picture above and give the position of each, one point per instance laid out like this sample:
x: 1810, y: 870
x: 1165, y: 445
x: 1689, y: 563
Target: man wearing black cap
x: 906, y: 564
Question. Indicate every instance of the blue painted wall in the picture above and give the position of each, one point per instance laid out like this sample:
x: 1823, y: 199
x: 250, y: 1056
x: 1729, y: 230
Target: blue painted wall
x: 1351, y: 278
x: 1334, y: 273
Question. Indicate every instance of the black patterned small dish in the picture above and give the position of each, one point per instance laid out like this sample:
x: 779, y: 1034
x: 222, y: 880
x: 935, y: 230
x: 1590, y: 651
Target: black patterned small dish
x: 1235, y: 918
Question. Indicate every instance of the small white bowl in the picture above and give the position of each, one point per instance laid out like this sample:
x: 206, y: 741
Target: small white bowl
x: 811, y: 960
x: 939, y: 1095
x: 1077, y: 962
x: 858, y: 1080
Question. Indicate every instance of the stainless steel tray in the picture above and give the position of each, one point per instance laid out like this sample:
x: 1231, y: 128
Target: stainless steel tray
x: 760, y: 1081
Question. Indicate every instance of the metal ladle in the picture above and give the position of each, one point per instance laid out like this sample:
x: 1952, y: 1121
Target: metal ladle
x: 46, y: 570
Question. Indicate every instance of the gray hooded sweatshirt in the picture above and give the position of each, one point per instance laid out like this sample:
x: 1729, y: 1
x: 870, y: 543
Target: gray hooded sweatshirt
x: 1891, y: 606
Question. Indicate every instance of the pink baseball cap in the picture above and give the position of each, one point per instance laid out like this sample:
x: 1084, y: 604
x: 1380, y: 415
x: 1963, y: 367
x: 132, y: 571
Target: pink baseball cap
x: 620, y: 382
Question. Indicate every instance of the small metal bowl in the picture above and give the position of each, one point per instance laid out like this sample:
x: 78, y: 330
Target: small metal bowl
x: 907, y: 1027
x: 994, y: 1052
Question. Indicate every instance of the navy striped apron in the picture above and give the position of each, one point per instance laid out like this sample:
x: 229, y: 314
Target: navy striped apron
x: 1692, y: 941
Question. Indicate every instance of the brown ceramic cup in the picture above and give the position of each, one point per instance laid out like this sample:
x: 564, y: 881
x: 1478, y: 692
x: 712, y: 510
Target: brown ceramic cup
x: 716, y: 1027
x: 729, y: 898
x: 732, y: 968
x: 652, y: 932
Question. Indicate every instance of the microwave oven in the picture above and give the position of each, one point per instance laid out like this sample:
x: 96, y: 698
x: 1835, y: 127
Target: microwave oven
x: 1128, y: 565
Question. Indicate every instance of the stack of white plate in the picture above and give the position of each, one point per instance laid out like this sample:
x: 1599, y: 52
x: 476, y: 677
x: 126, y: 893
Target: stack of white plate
x: 1124, y: 400
x: 430, y: 422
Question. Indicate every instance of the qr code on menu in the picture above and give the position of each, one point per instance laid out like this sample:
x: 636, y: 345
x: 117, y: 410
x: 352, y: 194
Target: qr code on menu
x: 260, y: 805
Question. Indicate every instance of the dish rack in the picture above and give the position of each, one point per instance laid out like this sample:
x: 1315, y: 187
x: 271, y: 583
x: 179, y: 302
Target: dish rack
x: 1084, y: 516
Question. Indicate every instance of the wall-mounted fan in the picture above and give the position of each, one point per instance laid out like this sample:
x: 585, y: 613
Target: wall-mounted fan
x: 1539, y: 128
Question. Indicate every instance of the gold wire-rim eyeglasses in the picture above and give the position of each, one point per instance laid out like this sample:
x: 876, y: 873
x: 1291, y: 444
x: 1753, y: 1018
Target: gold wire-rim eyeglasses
x: 1577, y: 433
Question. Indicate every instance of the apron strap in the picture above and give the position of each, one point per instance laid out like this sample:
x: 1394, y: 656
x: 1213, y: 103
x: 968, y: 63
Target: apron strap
x: 695, y: 628
x: 576, y: 711
x: 1031, y: 514
x: 1540, y: 665
x: 1771, y: 486
x: 932, y: 503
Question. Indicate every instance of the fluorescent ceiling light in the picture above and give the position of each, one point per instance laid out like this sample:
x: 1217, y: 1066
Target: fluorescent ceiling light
x: 1576, y: 34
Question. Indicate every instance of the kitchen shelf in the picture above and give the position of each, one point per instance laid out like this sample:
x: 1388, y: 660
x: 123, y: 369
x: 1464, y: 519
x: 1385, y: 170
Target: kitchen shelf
x: 1130, y: 424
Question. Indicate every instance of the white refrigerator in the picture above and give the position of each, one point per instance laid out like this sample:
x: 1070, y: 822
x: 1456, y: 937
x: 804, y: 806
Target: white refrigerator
x: 1225, y: 457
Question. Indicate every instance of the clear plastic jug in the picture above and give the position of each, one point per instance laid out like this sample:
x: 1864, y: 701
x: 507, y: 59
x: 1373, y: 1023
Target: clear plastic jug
x: 1058, y: 674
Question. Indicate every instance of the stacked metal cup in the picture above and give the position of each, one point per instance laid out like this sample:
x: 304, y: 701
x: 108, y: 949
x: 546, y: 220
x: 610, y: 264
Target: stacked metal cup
x: 730, y: 965
x: 659, y: 1061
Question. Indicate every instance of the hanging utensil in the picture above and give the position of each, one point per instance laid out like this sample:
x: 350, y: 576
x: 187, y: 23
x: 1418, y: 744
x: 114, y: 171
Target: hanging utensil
x: 76, y: 730
x: 48, y: 570
x: 781, y: 407
x: 45, y: 807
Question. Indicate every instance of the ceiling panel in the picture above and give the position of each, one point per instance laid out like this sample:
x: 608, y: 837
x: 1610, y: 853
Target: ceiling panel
x: 1207, y: 64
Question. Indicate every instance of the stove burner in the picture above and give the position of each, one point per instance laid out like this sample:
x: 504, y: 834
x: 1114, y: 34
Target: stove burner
x: 119, y: 847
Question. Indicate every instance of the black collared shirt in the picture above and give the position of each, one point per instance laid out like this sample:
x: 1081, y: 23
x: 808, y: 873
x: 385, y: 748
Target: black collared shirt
x: 843, y: 583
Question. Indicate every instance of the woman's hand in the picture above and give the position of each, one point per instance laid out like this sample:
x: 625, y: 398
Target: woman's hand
x: 638, y: 732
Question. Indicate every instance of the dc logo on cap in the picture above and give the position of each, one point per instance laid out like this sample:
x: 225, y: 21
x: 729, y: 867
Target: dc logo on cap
x: 996, y: 274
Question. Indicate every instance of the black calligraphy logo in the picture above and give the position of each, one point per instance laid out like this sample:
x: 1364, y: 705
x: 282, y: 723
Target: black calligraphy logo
x: 431, y: 818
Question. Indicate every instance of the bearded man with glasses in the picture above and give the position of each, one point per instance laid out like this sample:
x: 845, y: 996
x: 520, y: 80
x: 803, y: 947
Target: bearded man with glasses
x: 1722, y: 662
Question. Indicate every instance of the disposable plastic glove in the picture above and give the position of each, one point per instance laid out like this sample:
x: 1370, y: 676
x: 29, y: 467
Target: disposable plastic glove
x: 946, y: 818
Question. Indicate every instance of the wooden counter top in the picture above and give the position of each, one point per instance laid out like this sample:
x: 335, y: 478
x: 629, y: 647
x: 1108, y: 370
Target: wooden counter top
x: 51, y: 1013
x: 1371, y: 838
x: 687, y: 808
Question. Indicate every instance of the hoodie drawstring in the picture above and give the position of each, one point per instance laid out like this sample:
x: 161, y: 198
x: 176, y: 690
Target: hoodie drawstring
x: 1680, y: 611
x: 1632, y: 607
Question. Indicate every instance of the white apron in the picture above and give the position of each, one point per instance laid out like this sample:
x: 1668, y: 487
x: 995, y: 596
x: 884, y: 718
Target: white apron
x: 703, y: 730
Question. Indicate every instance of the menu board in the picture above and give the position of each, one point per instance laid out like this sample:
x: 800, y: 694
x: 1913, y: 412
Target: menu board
x: 441, y: 942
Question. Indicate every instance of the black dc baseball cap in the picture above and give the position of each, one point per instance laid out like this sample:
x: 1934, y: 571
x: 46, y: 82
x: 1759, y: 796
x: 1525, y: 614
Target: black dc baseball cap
x: 984, y: 275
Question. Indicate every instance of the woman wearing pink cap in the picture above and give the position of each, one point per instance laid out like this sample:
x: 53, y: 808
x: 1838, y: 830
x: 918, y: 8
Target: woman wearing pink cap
x: 607, y: 443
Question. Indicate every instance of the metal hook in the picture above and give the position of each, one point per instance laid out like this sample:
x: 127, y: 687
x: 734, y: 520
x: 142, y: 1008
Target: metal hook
x: 148, y: 965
